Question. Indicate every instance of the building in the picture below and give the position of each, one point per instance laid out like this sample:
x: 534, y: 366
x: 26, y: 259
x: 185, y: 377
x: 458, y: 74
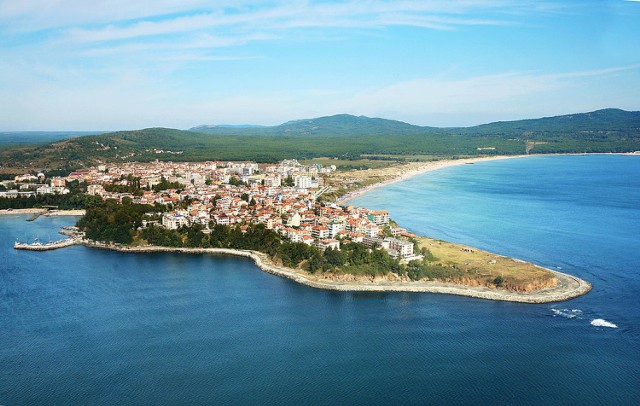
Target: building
x: 96, y: 190
x: 271, y: 181
x: 294, y: 220
x: 320, y: 232
x: 371, y: 230
x: 174, y: 221
x: 58, y: 182
x: 371, y: 242
x: 302, y: 182
x: 334, y: 228
x: 380, y: 217
x: 329, y: 243
x: 50, y: 190
x: 404, y: 248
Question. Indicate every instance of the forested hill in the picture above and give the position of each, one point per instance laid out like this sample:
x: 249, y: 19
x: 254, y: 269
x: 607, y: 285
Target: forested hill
x: 614, y: 121
x: 338, y: 125
x: 345, y: 136
x: 609, y: 120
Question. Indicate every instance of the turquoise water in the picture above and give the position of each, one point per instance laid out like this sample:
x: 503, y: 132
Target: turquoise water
x: 81, y: 326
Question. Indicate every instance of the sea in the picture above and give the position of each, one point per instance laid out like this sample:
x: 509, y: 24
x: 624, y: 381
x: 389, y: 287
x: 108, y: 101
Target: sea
x: 88, y: 327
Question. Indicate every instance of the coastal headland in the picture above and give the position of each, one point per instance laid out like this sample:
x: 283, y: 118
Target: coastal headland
x: 564, y: 286
x: 454, y: 268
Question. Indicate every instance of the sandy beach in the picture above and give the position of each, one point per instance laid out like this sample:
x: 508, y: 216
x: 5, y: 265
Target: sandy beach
x: 404, y: 172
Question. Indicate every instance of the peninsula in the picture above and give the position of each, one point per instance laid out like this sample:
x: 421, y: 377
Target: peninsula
x: 294, y: 221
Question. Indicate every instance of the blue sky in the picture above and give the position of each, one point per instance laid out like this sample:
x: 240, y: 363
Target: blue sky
x: 122, y: 64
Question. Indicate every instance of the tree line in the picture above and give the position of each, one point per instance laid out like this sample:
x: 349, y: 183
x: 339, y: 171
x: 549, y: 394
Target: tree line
x: 120, y: 223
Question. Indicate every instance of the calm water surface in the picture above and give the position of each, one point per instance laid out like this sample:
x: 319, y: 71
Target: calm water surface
x: 81, y: 326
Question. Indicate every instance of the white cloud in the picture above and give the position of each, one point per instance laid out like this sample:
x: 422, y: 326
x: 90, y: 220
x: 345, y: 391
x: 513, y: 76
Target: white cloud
x: 121, y: 19
x: 133, y: 100
x: 502, y: 96
x: 33, y: 15
x: 129, y: 64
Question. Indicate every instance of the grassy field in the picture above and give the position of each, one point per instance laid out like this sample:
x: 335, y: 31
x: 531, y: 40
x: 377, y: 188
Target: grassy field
x: 481, y: 268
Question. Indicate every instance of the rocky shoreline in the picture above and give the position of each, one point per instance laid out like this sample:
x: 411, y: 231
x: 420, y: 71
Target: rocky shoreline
x: 568, y: 286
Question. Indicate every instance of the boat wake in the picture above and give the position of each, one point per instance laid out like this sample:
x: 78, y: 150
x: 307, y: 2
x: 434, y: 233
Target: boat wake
x: 579, y: 315
x: 603, y: 323
x: 566, y: 313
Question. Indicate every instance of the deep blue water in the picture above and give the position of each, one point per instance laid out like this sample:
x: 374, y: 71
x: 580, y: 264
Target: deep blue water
x: 81, y: 326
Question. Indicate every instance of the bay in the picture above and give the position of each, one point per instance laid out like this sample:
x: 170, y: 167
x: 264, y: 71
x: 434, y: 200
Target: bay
x: 83, y: 326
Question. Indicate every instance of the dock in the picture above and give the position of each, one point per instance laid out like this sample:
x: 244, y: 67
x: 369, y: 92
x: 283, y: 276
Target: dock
x: 38, y: 246
x: 34, y: 216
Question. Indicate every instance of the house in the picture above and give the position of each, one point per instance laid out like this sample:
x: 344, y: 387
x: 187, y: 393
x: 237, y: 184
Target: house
x: 222, y: 219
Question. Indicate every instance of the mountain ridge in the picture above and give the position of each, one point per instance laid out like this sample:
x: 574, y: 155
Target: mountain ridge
x: 352, y: 120
x: 344, y: 136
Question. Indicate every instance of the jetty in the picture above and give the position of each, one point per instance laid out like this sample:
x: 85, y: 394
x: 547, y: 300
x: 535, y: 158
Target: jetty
x: 35, y: 216
x: 38, y: 246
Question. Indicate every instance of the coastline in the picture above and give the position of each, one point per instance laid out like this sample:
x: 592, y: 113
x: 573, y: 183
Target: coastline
x: 55, y: 213
x: 21, y: 212
x: 568, y: 286
x: 44, y: 212
x: 420, y: 168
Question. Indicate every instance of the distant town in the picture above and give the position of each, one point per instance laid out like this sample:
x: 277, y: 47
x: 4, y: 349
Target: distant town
x: 283, y: 197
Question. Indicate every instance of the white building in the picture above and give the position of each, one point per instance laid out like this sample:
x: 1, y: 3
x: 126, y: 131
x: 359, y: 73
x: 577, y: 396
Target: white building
x: 329, y: 243
x: 271, y: 181
x: 302, y: 182
x: 50, y: 190
x: 174, y: 221
x: 294, y: 221
x: 370, y: 230
x: 334, y: 228
x: 404, y: 248
x: 380, y: 217
x: 319, y: 232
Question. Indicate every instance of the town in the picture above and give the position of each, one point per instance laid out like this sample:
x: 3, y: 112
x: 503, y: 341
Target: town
x: 284, y: 198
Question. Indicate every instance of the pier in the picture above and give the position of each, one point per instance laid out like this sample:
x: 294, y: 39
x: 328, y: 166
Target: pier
x: 38, y: 246
x: 34, y: 216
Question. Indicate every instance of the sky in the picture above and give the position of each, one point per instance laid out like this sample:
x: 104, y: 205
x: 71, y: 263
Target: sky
x: 122, y: 64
